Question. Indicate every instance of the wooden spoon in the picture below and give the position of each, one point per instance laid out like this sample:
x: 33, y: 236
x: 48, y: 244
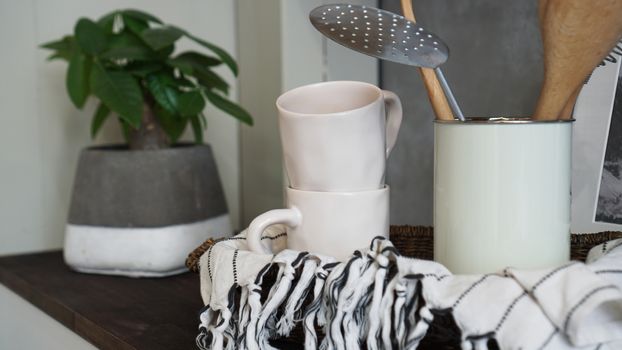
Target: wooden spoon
x: 577, y: 35
x: 435, y: 92
x: 566, y: 112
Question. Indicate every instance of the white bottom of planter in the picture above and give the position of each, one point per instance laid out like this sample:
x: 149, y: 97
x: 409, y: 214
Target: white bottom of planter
x: 138, y: 252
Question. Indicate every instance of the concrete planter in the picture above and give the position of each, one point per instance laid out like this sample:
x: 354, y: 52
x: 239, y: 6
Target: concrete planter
x: 139, y: 213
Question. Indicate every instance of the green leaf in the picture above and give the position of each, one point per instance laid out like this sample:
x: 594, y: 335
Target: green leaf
x: 120, y: 92
x: 209, y: 79
x: 159, y: 38
x: 229, y: 107
x: 224, y: 56
x: 124, y: 39
x: 190, y: 103
x: 140, y: 15
x: 197, y: 129
x: 168, y: 78
x: 59, y: 55
x: 196, y: 58
x: 162, y: 93
x: 63, y: 48
x: 142, y: 69
x: 183, y: 82
x: 90, y: 37
x: 184, y: 66
x: 197, y: 65
x: 206, y: 77
x: 129, y: 52
x: 186, y: 81
x: 165, y: 52
x: 64, y: 44
x: 173, y: 125
x: 127, y: 45
x: 166, y: 75
x: 107, y: 21
x: 101, y: 113
x: 134, y: 25
x: 77, y: 79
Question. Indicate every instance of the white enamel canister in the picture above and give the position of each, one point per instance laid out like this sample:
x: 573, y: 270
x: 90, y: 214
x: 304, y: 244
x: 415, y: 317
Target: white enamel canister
x: 501, y: 193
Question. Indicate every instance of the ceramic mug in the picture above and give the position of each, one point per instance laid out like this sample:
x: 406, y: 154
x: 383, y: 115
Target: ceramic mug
x: 329, y: 223
x: 501, y: 193
x: 337, y: 135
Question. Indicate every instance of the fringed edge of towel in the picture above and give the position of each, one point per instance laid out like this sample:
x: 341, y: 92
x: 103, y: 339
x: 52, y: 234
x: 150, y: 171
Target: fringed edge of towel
x: 310, y: 292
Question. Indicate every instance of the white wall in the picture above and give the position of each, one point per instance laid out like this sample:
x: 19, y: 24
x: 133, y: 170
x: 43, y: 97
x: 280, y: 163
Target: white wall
x: 42, y: 133
x: 259, y: 50
x: 309, y: 57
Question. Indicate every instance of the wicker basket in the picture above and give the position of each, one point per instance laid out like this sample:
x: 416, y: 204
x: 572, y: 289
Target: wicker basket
x: 418, y: 242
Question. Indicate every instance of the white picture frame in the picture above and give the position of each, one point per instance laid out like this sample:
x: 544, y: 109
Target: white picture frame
x: 593, y: 113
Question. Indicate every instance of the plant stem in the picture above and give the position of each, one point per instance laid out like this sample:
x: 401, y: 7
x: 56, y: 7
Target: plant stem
x: 150, y: 135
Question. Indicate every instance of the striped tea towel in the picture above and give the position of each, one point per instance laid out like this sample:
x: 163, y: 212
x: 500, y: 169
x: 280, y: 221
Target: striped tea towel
x: 381, y: 300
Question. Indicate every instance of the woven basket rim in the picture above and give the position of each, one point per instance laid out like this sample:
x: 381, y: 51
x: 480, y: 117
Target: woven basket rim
x: 404, y: 238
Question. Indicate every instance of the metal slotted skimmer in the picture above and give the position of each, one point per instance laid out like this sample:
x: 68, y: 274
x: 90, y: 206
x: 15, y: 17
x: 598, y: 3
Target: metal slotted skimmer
x: 384, y: 35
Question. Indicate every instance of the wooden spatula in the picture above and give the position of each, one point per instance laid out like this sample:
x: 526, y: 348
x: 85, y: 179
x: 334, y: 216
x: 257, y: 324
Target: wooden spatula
x: 435, y: 92
x: 577, y: 35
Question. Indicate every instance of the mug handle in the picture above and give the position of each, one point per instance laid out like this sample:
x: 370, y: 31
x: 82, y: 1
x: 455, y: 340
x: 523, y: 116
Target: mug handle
x: 290, y: 217
x: 393, y: 111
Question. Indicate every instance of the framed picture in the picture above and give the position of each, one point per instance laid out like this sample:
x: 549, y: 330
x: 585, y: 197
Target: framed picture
x: 609, y: 204
x: 597, y: 153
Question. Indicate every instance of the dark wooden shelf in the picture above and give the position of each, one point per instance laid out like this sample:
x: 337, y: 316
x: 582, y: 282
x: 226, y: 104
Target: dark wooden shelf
x: 110, y: 312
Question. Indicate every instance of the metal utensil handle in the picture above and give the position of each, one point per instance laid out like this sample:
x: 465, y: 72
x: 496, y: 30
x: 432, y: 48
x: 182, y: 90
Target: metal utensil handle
x: 450, y: 96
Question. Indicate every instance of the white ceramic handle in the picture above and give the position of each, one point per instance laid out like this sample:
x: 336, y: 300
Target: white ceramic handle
x: 393, y: 110
x: 290, y: 217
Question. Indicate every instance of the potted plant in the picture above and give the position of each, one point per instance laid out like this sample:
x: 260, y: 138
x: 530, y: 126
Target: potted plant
x: 138, y: 209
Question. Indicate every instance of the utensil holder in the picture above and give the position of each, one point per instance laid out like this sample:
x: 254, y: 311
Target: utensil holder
x: 501, y: 193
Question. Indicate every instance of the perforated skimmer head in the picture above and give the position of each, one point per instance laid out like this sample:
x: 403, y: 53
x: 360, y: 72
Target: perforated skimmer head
x: 387, y: 36
x: 380, y: 33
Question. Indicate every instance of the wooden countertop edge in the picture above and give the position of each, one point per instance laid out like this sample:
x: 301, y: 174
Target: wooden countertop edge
x: 77, y: 323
